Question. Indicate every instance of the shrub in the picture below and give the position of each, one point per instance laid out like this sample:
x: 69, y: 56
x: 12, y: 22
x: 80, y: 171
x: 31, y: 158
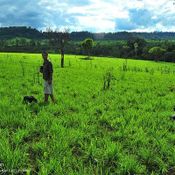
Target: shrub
x: 156, y: 52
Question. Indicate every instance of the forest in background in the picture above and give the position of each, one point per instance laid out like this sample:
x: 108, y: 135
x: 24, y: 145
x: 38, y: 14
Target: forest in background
x: 159, y: 46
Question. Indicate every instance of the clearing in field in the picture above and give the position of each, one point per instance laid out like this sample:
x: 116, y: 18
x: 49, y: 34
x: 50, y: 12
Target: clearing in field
x: 111, y: 117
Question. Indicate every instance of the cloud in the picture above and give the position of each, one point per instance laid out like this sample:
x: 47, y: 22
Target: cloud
x: 152, y: 16
x: 138, y: 19
x: 124, y: 24
x: 92, y: 15
x: 20, y: 13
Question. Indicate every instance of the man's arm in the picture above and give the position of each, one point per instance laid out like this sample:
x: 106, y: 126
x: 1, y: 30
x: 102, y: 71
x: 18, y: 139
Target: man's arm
x: 41, y: 69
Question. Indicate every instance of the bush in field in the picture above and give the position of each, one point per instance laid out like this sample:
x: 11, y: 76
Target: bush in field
x: 108, y: 78
x: 87, y: 46
x: 156, y: 52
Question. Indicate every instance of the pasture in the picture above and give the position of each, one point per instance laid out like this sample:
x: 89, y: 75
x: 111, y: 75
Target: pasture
x: 124, y: 129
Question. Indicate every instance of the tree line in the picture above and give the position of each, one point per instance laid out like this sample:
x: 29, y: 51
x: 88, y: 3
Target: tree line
x: 32, y: 33
x: 84, y: 43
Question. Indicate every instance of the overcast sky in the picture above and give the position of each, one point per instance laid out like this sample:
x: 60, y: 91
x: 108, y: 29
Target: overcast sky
x: 90, y: 15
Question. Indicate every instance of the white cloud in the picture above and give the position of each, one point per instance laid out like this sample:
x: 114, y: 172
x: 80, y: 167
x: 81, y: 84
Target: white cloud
x: 98, y: 15
x: 96, y: 23
x: 93, y: 15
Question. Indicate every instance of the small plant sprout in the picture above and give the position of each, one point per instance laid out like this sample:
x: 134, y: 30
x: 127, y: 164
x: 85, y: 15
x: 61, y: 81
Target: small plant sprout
x: 108, y: 78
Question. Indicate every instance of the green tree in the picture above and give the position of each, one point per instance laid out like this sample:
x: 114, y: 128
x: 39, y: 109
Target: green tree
x: 87, y: 45
x: 136, y: 46
x: 2, y: 43
x: 156, y: 52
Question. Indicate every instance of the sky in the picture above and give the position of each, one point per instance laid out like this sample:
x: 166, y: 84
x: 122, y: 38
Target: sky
x: 90, y: 15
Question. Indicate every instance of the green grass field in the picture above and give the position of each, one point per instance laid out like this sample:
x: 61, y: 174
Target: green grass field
x: 123, y: 130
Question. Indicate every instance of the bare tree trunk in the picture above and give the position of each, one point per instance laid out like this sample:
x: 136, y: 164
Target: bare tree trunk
x: 89, y: 54
x: 62, y: 58
x: 156, y: 58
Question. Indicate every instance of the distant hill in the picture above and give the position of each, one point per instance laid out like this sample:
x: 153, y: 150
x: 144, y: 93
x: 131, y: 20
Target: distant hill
x: 31, y: 33
x: 24, y: 32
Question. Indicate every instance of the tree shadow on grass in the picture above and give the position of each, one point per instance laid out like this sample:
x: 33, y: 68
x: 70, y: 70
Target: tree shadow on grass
x: 86, y: 58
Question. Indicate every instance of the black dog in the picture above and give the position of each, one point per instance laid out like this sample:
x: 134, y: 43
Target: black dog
x: 30, y: 99
x: 173, y: 117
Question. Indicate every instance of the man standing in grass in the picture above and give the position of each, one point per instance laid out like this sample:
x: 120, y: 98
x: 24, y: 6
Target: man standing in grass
x: 47, y: 71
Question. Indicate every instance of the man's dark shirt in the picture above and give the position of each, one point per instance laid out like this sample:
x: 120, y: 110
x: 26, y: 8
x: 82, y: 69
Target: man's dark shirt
x: 47, y: 71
